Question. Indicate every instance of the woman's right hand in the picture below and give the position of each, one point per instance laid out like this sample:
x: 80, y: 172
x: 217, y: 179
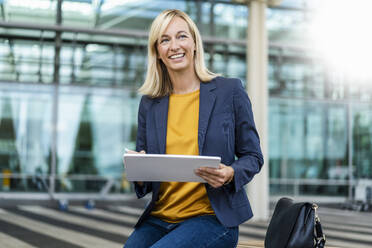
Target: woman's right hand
x: 134, y: 152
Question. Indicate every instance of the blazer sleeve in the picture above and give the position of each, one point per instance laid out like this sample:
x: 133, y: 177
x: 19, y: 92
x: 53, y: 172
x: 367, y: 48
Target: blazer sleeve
x: 141, y: 144
x: 247, y: 142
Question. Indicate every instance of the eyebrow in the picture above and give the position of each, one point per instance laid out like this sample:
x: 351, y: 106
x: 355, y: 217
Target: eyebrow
x: 181, y: 31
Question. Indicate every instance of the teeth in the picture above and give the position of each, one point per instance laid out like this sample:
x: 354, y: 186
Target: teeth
x: 176, y: 56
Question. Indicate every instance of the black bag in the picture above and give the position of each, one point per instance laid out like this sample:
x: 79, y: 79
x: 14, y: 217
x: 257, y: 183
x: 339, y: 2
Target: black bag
x: 294, y: 225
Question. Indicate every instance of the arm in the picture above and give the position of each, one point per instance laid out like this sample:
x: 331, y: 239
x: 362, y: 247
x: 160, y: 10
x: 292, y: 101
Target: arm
x: 247, y: 142
x: 142, y: 188
x: 247, y: 148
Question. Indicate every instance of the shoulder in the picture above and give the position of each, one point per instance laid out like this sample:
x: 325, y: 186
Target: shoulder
x: 231, y: 87
x: 145, y: 99
x: 225, y: 83
x: 227, y: 86
x: 146, y: 102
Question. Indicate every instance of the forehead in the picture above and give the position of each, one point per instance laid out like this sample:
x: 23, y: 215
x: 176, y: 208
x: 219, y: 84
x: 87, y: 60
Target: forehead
x: 176, y: 25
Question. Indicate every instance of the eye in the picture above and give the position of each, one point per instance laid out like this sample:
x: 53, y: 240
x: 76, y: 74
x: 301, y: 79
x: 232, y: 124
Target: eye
x: 182, y: 36
x: 164, y: 40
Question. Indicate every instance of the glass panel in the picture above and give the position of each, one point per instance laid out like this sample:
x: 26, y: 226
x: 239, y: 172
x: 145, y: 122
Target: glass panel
x: 329, y: 190
x: 336, y: 86
x: 236, y: 67
x: 362, y: 140
x: 220, y: 59
x: 230, y: 21
x: 90, y: 64
x: 228, y: 60
x: 26, y: 61
x: 286, y: 132
x: 292, y: 75
x: 94, y: 127
x: 25, y: 137
x: 308, y: 140
x: 336, y: 137
x: 80, y: 13
x: 361, y: 89
x: 286, y: 27
x: 201, y: 15
x: 40, y: 11
x: 103, y: 65
x: 133, y: 14
x: 281, y: 189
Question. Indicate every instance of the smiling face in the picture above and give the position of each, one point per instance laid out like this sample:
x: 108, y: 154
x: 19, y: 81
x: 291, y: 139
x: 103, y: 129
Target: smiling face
x: 176, y: 47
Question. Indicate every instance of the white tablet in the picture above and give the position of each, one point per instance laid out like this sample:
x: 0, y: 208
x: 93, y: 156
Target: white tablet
x: 166, y: 168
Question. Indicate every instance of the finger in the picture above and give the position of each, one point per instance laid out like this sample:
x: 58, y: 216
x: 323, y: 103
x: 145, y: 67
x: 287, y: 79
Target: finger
x: 220, y: 173
x: 134, y: 152
x: 223, y: 176
x: 212, y: 179
x: 221, y: 166
x: 210, y: 170
x: 211, y: 176
x: 213, y: 183
x: 131, y: 152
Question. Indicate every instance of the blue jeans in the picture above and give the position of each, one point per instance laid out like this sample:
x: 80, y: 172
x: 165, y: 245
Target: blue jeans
x: 202, y: 231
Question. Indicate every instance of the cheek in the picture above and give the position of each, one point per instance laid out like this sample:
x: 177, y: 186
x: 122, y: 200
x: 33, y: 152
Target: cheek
x: 191, y: 49
x: 161, y: 52
x: 162, y: 56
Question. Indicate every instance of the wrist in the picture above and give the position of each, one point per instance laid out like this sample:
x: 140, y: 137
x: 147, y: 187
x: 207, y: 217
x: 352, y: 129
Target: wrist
x: 231, y: 176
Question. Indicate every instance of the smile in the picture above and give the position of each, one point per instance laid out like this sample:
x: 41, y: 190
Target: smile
x: 176, y: 56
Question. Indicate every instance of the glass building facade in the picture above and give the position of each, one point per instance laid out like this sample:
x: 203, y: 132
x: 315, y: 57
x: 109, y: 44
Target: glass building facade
x: 69, y: 71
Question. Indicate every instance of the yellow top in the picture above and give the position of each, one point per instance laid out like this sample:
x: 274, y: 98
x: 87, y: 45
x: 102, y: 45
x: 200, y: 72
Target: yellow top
x: 179, y: 201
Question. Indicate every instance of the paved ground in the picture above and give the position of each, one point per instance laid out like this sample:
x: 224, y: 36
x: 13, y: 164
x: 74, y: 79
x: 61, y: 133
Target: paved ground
x: 28, y: 226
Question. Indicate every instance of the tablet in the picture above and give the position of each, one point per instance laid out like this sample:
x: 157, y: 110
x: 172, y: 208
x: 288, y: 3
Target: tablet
x: 166, y: 168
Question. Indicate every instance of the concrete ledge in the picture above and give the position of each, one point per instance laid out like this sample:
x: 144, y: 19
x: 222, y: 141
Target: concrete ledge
x: 258, y: 243
x: 250, y: 244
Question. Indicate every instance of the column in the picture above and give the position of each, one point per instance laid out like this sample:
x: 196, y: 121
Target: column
x: 257, y: 61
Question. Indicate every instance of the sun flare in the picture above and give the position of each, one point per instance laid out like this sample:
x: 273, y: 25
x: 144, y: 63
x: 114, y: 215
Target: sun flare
x: 341, y: 31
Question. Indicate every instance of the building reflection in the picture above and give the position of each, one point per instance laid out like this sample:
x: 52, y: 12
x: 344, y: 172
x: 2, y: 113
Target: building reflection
x: 68, y: 134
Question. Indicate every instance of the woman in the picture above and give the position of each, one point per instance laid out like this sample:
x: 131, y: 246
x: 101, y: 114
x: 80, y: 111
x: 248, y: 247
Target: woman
x: 189, y: 110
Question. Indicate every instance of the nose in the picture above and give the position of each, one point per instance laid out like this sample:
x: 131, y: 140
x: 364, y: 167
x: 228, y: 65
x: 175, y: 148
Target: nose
x: 174, y: 46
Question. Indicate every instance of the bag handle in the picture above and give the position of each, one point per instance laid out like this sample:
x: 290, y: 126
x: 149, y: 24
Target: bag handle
x: 320, y: 237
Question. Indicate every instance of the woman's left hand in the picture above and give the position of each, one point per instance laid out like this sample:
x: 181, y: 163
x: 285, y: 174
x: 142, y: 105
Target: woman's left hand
x: 216, y: 177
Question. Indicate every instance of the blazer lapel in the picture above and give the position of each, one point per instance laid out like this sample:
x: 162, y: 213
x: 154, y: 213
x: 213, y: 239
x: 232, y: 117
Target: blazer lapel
x: 206, y: 103
x: 161, y: 117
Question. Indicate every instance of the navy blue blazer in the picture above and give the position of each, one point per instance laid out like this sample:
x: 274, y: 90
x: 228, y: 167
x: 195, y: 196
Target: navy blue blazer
x: 226, y: 129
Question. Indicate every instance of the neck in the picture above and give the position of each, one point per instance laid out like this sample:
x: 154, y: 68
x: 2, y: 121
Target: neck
x: 184, y: 82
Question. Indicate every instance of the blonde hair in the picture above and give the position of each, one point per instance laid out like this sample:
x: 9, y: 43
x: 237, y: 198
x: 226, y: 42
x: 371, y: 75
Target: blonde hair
x: 157, y: 82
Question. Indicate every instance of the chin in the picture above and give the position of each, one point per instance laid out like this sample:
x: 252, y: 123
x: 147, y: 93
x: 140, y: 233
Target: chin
x: 178, y: 68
